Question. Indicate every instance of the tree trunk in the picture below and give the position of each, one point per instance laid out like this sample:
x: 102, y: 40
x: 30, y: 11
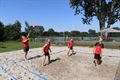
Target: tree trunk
x: 108, y: 26
x: 102, y: 24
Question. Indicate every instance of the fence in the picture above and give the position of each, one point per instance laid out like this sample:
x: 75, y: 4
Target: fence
x: 62, y: 39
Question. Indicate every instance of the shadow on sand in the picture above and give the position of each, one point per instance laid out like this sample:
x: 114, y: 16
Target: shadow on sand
x: 35, y: 57
x: 58, y: 52
x: 54, y: 60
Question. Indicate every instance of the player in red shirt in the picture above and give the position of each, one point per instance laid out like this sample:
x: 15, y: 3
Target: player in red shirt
x: 25, y: 41
x: 97, y: 53
x: 46, y: 49
x: 70, y: 46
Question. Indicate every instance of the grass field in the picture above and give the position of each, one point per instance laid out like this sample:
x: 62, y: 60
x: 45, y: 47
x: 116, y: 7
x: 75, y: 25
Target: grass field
x: 14, y: 45
x: 110, y: 45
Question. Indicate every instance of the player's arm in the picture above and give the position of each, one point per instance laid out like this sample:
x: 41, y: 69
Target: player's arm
x: 50, y: 49
x: 25, y: 40
x: 94, y: 50
x: 102, y: 49
x: 68, y: 45
x: 28, y: 34
x: 94, y: 47
x: 102, y: 45
x: 44, y: 46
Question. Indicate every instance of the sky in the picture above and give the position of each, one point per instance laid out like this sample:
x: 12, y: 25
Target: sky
x: 55, y: 14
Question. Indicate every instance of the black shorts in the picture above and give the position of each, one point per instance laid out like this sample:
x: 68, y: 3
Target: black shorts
x: 97, y: 56
x: 26, y: 49
x: 71, y: 48
x: 46, y: 53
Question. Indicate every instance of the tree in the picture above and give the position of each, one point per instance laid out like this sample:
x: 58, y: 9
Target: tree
x: 13, y: 31
x: 51, y: 30
x: 113, y: 12
x: 106, y: 11
x: 66, y: 33
x: 91, y: 31
x: 27, y: 27
x: 9, y: 32
x: 117, y: 28
x: 38, y: 30
x: 61, y: 34
x: 17, y: 30
x: 1, y: 31
x: 84, y: 34
x: 75, y: 33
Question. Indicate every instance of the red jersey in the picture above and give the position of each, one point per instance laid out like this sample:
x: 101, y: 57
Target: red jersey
x: 47, y: 47
x: 25, y: 42
x: 98, y: 49
x: 70, y: 43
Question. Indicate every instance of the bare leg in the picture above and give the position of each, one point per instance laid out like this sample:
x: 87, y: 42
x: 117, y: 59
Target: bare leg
x: 68, y: 52
x: 48, y: 59
x: 99, y: 62
x: 26, y: 55
x: 96, y: 61
x: 73, y: 52
x: 43, y: 61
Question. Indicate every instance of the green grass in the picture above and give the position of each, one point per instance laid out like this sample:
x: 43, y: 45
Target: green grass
x: 15, y: 45
x: 109, y: 45
x: 112, y: 45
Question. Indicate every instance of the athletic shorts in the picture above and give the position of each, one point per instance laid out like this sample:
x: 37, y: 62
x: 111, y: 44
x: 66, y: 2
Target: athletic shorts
x: 71, y: 48
x: 97, y: 56
x: 46, y: 53
x: 26, y: 49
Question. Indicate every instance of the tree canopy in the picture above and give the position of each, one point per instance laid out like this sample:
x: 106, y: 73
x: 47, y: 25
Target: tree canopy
x: 13, y: 32
x: 1, y: 31
x: 51, y: 30
x: 106, y: 11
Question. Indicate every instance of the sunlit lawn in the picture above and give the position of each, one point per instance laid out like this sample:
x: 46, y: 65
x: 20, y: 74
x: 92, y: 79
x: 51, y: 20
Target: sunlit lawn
x: 107, y: 44
x: 15, y: 45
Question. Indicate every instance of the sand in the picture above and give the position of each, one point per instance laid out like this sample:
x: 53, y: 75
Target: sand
x: 77, y: 67
x: 117, y: 76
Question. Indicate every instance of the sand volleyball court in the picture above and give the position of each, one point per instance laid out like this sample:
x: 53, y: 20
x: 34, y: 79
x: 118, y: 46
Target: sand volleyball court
x: 77, y: 67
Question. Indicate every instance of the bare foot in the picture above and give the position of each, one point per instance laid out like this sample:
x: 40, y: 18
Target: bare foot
x: 70, y: 55
x: 26, y: 58
x: 94, y: 62
x: 74, y: 53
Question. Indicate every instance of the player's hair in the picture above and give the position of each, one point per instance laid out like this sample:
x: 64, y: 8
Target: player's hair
x: 23, y: 35
x: 97, y: 44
